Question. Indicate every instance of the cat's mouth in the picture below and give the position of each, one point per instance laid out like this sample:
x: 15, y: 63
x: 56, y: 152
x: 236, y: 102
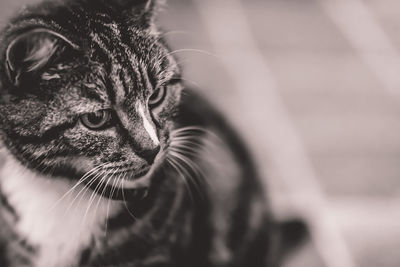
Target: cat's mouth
x: 118, y: 188
x: 125, y: 185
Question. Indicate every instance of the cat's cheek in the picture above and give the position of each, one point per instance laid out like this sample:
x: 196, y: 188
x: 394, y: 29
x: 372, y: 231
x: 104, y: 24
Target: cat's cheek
x: 81, y: 164
x: 166, y: 132
x: 102, y: 147
x: 90, y: 143
x: 167, y: 111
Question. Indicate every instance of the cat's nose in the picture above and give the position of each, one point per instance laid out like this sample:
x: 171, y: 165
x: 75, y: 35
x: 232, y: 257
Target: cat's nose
x: 149, y: 155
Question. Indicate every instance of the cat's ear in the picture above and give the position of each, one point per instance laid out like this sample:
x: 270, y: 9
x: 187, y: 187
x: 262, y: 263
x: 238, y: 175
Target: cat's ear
x: 143, y: 10
x: 147, y: 4
x: 31, y: 51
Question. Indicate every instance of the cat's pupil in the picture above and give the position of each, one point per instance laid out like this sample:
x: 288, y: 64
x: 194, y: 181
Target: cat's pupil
x: 96, y: 117
x: 154, y: 96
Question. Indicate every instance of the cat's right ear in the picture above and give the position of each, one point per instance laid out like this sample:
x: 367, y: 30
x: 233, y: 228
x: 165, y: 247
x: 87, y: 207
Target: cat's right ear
x: 142, y: 11
x: 30, y: 52
x: 146, y: 5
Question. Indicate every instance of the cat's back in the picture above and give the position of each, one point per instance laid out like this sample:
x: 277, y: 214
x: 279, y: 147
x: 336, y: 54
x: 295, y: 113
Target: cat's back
x: 239, y: 215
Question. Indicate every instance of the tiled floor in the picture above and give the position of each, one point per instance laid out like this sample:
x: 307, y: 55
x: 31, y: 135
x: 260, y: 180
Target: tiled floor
x: 339, y: 129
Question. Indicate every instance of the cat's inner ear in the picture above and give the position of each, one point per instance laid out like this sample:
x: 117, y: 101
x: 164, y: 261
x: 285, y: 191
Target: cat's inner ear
x: 30, y: 52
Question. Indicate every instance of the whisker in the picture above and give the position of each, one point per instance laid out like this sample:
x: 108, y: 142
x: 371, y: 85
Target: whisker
x: 94, y: 194
x: 190, y: 128
x: 164, y: 35
x: 194, y: 83
x: 176, y: 32
x: 195, y: 167
x: 190, y: 131
x: 83, y: 191
x: 186, y: 172
x: 113, y: 188
x: 196, y: 178
x: 80, y: 181
x: 92, y: 199
x: 190, y: 50
x: 188, y: 151
x: 186, y: 136
x: 178, y: 169
x: 124, y: 198
x: 194, y: 145
x: 102, y: 194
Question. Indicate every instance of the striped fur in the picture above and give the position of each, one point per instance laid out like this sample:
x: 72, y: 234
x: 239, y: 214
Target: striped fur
x: 169, y: 185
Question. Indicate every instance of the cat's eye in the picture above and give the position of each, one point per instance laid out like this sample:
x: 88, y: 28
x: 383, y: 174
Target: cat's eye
x: 157, y: 97
x: 96, y: 120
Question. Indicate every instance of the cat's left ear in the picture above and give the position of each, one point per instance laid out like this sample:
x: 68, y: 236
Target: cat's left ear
x: 29, y: 52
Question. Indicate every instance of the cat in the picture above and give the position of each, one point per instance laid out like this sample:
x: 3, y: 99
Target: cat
x: 110, y: 159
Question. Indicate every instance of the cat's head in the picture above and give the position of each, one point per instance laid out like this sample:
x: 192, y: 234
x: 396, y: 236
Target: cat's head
x: 87, y: 86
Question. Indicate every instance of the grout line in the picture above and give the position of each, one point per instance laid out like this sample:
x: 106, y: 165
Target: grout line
x: 359, y: 25
x: 232, y: 40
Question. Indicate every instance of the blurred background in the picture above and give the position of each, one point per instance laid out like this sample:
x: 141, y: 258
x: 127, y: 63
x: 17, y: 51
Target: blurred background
x: 314, y: 88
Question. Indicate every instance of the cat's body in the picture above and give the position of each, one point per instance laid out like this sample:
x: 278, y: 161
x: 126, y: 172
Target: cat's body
x: 107, y: 162
x: 51, y: 235
x: 63, y: 234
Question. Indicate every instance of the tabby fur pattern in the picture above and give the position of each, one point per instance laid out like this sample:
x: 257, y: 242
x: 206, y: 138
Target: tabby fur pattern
x: 109, y: 159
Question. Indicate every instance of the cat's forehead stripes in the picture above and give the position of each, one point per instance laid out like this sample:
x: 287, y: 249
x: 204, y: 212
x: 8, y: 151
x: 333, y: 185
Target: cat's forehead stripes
x: 125, y: 71
x: 117, y: 79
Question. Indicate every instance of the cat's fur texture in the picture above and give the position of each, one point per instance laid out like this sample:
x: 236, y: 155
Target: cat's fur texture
x: 109, y: 159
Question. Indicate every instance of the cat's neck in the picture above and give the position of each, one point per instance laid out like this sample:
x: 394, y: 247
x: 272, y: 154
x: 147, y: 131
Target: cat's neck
x: 56, y: 221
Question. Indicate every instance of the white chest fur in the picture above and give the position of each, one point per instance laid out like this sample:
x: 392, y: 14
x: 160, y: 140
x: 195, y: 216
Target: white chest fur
x: 58, y: 228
